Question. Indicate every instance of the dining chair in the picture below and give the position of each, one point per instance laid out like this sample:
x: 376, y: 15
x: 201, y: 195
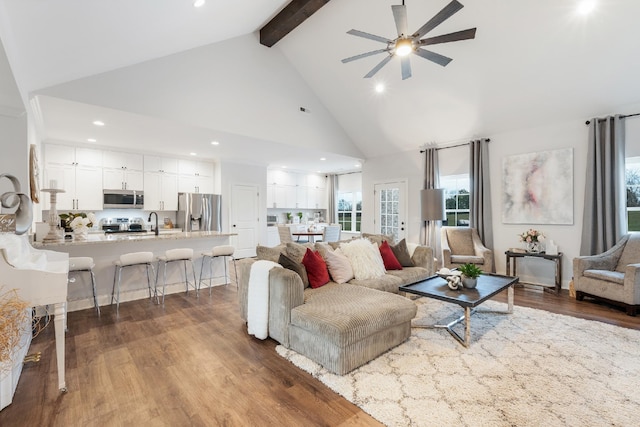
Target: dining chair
x: 285, y: 234
x: 331, y: 233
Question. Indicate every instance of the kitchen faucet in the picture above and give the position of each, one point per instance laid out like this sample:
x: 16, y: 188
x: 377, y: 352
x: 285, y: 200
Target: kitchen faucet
x: 149, y: 220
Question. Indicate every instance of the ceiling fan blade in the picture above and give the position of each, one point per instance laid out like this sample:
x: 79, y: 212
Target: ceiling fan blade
x: 375, y: 69
x: 368, y: 36
x: 439, y: 18
x: 451, y: 37
x: 364, y: 55
x: 400, y: 17
x: 406, y: 67
x: 432, y: 56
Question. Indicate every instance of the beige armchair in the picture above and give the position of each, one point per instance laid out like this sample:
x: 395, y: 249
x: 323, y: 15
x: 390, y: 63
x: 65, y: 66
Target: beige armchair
x: 613, y: 276
x: 462, y: 245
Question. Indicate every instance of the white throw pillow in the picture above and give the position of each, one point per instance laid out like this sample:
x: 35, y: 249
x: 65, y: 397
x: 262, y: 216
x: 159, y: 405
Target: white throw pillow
x: 365, y: 259
x: 339, y: 266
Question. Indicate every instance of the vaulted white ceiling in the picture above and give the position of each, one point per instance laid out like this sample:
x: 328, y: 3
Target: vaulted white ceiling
x: 168, y: 71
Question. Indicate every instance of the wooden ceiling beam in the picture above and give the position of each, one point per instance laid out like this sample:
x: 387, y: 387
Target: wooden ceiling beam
x: 294, y: 14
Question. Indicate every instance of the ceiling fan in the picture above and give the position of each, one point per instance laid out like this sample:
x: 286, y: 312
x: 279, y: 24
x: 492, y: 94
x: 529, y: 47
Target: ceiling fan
x: 407, y: 43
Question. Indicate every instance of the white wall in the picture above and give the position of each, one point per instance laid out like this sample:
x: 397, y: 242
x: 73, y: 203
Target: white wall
x: 407, y: 166
x: 455, y: 160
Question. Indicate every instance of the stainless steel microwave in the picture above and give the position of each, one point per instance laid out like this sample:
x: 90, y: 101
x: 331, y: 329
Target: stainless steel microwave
x: 122, y: 199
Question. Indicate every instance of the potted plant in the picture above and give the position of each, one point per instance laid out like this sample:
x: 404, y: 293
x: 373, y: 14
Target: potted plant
x: 300, y: 216
x: 289, y: 216
x: 470, y: 273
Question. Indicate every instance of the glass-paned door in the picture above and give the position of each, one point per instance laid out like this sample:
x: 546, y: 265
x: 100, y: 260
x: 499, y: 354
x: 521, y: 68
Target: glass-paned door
x: 391, y: 209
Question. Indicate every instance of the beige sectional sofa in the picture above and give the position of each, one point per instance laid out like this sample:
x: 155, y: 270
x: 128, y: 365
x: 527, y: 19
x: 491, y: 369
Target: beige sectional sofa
x: 340, y: 326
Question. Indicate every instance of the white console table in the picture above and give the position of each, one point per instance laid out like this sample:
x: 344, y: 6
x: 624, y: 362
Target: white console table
x: 40, y: 287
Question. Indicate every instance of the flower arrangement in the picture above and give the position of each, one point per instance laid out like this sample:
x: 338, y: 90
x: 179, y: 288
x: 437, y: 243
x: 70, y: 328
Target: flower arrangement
x: 78, y: 221
x: 531, y: 236
x: 13, y: 313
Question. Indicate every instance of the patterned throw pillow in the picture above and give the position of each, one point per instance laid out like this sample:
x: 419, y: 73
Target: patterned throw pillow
x: 296, y: 267
x: 389, y: 259
x: 316, y: 269
x: 378, y: 238
x: 365, y: 259
x: 339, y: 266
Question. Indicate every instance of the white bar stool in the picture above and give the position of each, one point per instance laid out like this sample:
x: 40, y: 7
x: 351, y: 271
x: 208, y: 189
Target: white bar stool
x: 173, y: 255
x: 84, y: 264
x: 223, y: 251
x: 130, y: 260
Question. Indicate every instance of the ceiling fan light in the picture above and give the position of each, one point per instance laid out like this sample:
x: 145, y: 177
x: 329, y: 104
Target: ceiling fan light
x: 403, y: 47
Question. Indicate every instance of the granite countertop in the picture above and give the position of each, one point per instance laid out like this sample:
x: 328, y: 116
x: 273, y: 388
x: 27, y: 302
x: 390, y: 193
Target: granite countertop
x: 98, y: 238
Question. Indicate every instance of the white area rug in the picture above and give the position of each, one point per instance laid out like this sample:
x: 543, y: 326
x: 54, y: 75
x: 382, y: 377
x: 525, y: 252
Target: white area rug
x: 530, y: 368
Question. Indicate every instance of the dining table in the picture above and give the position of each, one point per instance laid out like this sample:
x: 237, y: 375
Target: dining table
x: 309, y: 234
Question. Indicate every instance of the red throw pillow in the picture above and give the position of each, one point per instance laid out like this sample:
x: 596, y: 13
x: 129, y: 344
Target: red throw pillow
x: 316, y: 269
x: 389, y: 259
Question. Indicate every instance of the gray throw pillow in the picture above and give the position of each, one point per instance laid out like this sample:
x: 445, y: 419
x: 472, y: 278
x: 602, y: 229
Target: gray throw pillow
x: 269, y: 254
x: 402, y: 253
x: 296, y: 267
x: 296, y: 251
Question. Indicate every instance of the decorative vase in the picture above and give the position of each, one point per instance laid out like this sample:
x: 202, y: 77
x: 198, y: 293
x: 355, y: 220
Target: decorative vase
x: 80, y: 234
x: 533, y: 247
x: 469, y: 282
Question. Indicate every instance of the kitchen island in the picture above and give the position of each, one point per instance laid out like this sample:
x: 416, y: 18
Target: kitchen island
x: 105, y: 249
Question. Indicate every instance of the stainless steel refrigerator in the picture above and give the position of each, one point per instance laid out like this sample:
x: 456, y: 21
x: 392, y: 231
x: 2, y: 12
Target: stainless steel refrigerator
x: 199, y: 212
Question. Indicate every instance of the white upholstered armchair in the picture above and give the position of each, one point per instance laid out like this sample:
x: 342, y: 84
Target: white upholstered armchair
x: 462, y: 245
x: 612, y: 276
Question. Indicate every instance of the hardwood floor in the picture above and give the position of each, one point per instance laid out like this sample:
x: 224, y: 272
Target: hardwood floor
x: 192, y: 363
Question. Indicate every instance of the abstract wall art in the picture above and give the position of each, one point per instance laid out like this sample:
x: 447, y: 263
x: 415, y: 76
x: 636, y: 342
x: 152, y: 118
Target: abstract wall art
x: 538, y: 188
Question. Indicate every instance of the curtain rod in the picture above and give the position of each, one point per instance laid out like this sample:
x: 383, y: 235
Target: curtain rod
x: 622, y: 117
x: 454, y: 146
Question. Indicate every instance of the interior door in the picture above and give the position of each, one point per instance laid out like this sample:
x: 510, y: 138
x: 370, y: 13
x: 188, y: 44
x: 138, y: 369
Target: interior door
x: 390, y: 209
x: 244, y: 219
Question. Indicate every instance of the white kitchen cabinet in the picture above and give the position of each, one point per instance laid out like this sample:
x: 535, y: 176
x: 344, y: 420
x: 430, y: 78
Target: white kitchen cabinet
x: 122, y: 179
x: 76, y: 170
x: 194, y: 167
x: 82, y: 185
x: 317, y: 198
x: 195, y: 184
x: 68, y: 155
x: 120, y: 160
x: 160, y: 164
x: 122, y: 171
x: 160, y: 191
x: 195, y: 176
x: 302, y: 194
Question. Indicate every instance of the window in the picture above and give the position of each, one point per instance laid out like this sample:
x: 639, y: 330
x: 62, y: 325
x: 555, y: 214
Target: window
x: 389, y: 212
x: 456, y: 190
x: 350, y: 210
x: 633, y: 193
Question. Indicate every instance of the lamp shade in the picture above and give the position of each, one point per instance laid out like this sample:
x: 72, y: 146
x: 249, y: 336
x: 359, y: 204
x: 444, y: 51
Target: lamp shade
x: 432, y: 204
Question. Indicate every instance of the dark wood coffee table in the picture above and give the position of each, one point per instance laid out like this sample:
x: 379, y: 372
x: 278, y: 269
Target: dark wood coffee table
x: 488, y: 286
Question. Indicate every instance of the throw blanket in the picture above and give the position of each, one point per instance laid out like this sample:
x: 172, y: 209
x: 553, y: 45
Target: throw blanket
x: 258, y: 299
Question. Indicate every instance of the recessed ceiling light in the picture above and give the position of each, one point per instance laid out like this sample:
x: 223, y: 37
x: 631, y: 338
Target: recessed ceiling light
x: 284, y: 167
x: 585, y: 7
x: 215, y: 143
x: 198, y: 3
x: 91, y: 140
x: 193, y: 154
x: 379, y: 88
x: 98, y: 123
x: 357, y: 165
x: 323, y: 158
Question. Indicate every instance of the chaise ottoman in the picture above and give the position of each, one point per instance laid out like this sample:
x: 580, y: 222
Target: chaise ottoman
x: 342, y: 326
